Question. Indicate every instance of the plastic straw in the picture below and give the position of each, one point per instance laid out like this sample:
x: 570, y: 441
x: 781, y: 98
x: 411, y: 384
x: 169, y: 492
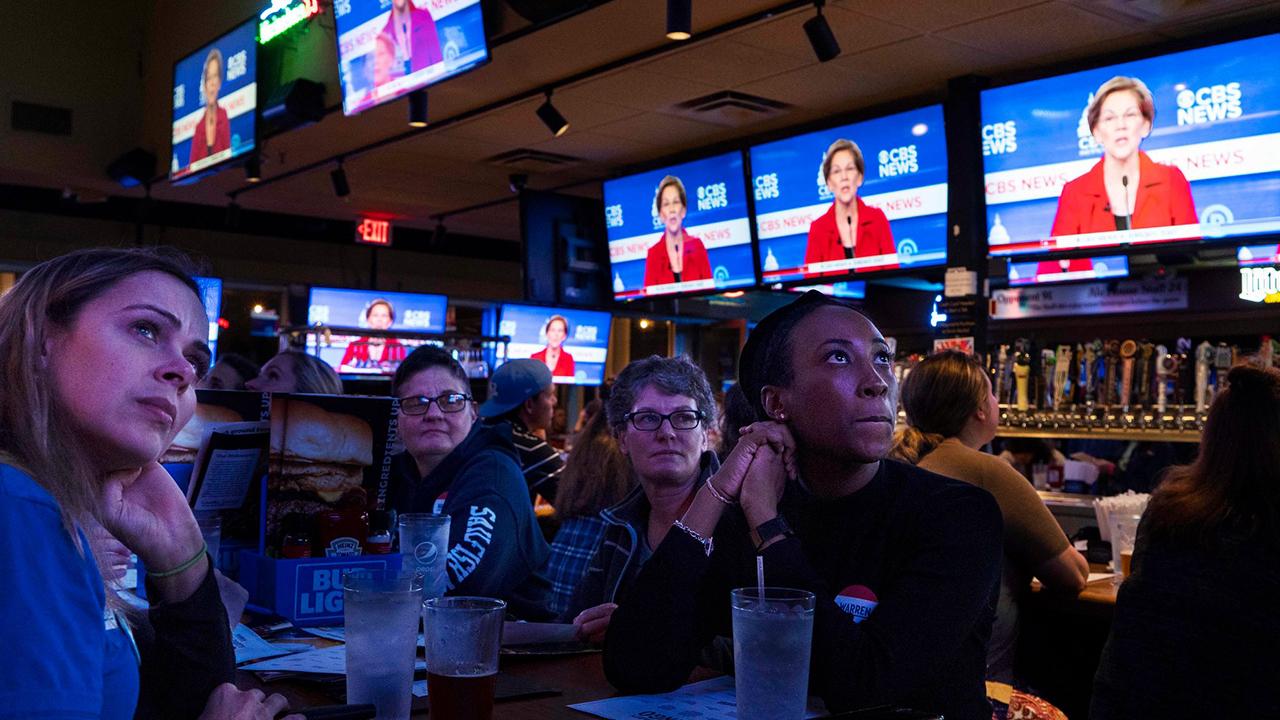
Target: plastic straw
x: 760, y: 576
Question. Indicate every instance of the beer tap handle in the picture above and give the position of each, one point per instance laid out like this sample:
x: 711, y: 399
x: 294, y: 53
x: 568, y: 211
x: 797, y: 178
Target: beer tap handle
x: 1164, y: 364
x: 1022, y: 373
x: 1128, y: 349
x: 1204, y: 358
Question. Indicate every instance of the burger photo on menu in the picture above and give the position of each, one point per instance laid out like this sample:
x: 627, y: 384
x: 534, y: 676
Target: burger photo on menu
x: 184, y: 447
x: 325, y: 465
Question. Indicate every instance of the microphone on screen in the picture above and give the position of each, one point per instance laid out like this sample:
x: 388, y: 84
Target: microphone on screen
x: 1128, y: 221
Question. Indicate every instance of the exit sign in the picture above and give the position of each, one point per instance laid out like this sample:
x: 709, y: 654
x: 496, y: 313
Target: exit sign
x: 374, y: 232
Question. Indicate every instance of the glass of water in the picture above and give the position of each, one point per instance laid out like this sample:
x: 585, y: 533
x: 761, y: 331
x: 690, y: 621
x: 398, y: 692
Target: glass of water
x: 380, y: 608
x: 772, y: 633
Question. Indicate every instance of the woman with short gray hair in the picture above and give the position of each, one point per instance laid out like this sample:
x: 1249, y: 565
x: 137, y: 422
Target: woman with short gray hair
x: 659, y: 409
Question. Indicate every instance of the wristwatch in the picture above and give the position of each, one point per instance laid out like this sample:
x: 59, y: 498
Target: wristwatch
x: 770, y: 529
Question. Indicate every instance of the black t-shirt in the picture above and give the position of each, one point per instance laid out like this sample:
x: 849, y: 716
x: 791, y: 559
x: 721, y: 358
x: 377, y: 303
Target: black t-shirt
x: 906, y: 573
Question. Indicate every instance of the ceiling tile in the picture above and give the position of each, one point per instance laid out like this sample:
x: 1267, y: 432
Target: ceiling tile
x: 823, y: 87
x: 854, y: 31
x: 926, y: 59
x: 1034, y: 32
x: 726, y: 63
x: 931, y: 16
x: 664, y: 131
x: 640, y: 89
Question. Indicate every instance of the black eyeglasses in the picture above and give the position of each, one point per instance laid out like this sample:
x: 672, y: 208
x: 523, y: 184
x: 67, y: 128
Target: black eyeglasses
x: 450, y: 402
x: 680, y: 419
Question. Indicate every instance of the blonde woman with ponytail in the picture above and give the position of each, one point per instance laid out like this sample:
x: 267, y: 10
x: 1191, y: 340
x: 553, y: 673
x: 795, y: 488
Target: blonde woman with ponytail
x: 100, y: 351
x: 951, y: 414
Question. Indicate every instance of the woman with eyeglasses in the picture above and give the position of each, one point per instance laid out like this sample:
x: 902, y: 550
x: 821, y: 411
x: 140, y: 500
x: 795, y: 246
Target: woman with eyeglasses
x: 1125, y: 189
x: 470, y: 471
x: 659, y: 409
x: 850, y: 228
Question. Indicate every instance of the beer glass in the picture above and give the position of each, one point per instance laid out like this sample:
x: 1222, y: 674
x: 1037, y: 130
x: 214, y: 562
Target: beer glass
x: 463, y: 635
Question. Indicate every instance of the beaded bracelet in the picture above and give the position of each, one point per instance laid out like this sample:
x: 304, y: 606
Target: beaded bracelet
x: 719, y: 495
x: 204, y: 548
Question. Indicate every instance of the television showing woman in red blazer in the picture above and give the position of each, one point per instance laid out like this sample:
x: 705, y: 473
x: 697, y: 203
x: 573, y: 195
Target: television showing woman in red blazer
x: 677, y: 256
x: 1126, y: 189
x: 554, y: 356
x: 850, y: 228
x: 213, y: 129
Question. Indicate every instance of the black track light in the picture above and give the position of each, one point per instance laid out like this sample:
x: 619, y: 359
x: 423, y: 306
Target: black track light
x: 418, y: 108
x: 552, y: 118
x: 820, y: 36
x: 437, y: 236
x: 679, y: 19
x: 253, y: 169
x: 339, y: 178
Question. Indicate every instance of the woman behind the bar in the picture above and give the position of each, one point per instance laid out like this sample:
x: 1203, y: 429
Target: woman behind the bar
x: 905, y: 564
x: 951, y: 414
x: 100, y: 351
x: 1196, y: 628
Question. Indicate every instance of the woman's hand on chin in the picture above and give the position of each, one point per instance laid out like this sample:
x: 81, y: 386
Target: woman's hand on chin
x: 148, y: 512
x: 769, y: 435
x: 777, y: 437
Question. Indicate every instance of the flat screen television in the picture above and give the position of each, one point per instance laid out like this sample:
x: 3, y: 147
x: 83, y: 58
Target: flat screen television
x: 892, y: 170
x: 363, y: 355
x: 389, y: 48
x: 1258, y: 255
x: 1056, y: 271
x: 1177, y: 148
x: 215, y: 103
x: 693, y: 237
x: 211, y: 296
x: 573, y: 343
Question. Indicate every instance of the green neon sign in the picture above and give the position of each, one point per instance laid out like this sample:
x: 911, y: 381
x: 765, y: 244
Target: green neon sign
x: 283, y: 15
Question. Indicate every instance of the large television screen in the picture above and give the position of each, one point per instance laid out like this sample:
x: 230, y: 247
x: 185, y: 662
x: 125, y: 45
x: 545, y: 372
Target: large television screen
x: 878, y: 203
x: 389, y: 48
x: 211, y: 297
x: 215, y: 101
x: 1057, y: 271
x: 573, y: 343
x: 679, y: 229
x: 1175, y: 148
x: 362, y: 355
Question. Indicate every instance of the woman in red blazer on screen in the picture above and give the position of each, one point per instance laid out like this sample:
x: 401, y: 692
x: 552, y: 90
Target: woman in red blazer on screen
x: 554, y: 356
x: 832, y: 236
x: 678, y: 256
x: 213, y: 129
x: 1126, y: 189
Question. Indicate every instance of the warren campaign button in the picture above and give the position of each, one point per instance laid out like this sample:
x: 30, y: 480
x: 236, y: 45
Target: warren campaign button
x: 858, y: 601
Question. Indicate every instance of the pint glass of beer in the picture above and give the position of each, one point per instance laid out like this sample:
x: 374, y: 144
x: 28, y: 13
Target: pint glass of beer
x: 463, y: 635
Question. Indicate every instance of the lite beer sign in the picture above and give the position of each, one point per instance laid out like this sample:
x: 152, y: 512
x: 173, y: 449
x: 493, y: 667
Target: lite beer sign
x: 374, y: 232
